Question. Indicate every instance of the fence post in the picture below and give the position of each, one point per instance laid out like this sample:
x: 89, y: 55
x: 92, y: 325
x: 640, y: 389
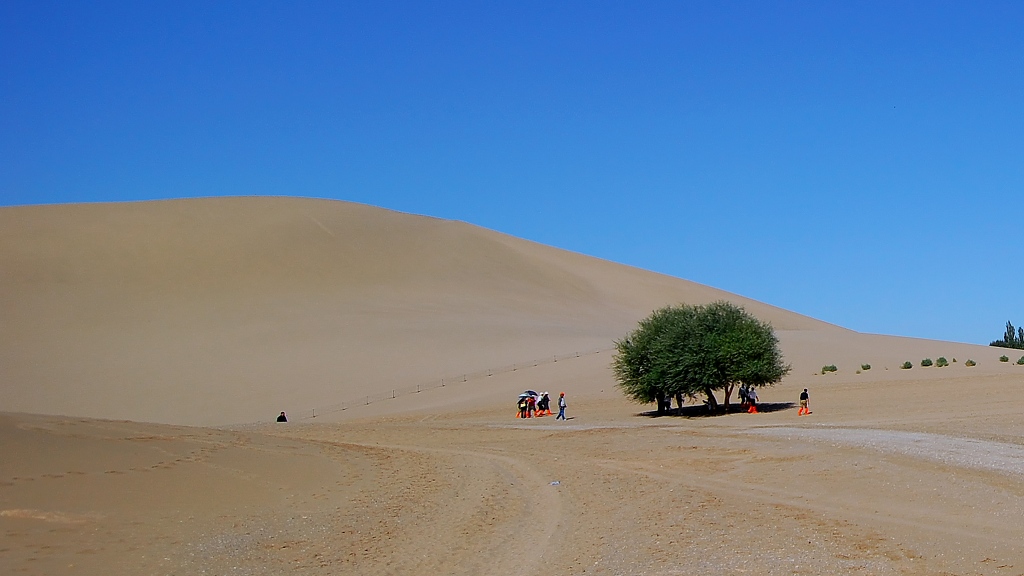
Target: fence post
x: 314, y: 412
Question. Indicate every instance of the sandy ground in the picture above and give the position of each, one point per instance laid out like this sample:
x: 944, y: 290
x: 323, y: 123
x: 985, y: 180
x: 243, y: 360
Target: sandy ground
x: 146, y: 347
x: 912, y: 478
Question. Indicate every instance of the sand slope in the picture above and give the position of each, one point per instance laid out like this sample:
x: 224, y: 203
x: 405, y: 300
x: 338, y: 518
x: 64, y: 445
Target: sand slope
x: 218, y: 311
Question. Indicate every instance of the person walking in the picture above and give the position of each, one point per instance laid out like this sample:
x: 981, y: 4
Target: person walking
x: 561, y: 407
x: 752, y: 400
x: 544, y: 405
x: 804, y: 410
x: 522, y: 407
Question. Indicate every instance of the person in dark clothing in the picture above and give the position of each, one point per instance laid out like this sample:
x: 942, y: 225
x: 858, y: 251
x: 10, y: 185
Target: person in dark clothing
x: 561, y: 407
x: 544, y: 405
x: 804, y: 398
x: 282, y: 418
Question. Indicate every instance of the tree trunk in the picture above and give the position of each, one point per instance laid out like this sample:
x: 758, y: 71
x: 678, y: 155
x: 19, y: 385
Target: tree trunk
x: 712, y: 402
x: 728, y: 393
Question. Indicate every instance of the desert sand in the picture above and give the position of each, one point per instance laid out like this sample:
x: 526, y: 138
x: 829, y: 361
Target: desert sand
x: 147, y: 348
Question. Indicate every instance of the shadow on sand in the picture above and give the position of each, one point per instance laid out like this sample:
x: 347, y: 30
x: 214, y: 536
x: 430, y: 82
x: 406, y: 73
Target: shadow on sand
x: 701, y: 411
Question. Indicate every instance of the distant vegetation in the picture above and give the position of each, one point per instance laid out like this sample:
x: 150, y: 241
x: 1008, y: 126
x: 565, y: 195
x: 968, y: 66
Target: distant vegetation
x: 907, y: 365
x: 1013, y: 338
x: 865, y: 366
x: 942, y: 362
x: 1020, y: 361
x: 829, y: 368
x: 1004, y: 358
x: 970, y: 363
x: 926, y: 362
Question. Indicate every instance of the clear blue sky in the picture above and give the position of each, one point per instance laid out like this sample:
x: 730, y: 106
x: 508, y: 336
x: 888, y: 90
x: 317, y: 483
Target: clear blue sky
x: 861, y: 162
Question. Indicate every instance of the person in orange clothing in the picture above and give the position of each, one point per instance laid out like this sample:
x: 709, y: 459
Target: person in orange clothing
x: 752, y: 400
x: 804, y: 398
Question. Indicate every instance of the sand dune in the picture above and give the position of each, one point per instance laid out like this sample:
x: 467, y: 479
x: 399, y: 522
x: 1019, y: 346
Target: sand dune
x: 227, y: 310
x: 222, y: 312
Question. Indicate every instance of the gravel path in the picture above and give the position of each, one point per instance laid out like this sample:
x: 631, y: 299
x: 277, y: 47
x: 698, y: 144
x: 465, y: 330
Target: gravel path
x: 949, y: 450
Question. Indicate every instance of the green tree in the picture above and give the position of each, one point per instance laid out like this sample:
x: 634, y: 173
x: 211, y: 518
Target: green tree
x: 697, y: 350
x: 641, y: 375
x: 1012, y: 338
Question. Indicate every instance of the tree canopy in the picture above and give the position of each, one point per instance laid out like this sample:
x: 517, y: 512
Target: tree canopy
x: 1011, y: 339
x: 697, y: 350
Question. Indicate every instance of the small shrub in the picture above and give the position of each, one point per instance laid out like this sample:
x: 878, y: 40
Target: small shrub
x: 1020, y: 362
x: 954, y: 359
x: 907, y: 365
x: 858, y: 371
x: 1004, y: 358
x: 865, y: 366
x: 942, y: 362
x: 829, y: 368
x: 970, y: 363
x: 926, y: 362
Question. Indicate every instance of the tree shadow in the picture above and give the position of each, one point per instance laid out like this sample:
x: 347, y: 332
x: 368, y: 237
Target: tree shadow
x: 701, y: 410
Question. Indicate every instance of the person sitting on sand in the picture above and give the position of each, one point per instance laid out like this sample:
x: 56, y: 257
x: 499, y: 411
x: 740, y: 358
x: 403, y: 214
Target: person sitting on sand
x: 282, y: 418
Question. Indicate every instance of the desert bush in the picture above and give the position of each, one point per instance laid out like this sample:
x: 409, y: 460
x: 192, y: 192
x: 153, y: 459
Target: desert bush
x: 926, y: 362
x: 907, y: 365
x: 865, y: 366
x: 1004, y: 358
x: 1020, y: 362
x: 942, y: 362
x: 829, y: 368
x: 970, y: 363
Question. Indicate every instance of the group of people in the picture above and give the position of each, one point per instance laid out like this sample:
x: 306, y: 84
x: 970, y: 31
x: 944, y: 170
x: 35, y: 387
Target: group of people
x: 533, y: 405
x: 748, y: 400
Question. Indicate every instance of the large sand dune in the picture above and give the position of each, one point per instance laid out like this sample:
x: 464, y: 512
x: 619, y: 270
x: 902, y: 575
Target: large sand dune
x: 222, y: 312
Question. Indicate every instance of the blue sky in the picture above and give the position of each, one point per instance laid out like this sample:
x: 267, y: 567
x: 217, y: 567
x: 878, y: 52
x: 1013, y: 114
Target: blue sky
x: 858, y: 162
